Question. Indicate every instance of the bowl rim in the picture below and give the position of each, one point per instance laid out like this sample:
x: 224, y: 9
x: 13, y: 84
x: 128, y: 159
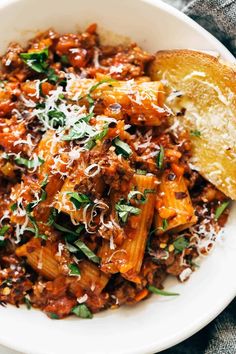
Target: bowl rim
x: 205, y: 320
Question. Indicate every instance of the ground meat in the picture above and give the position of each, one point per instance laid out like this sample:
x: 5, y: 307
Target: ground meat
x: 12, y: 59
x: 60, y: 307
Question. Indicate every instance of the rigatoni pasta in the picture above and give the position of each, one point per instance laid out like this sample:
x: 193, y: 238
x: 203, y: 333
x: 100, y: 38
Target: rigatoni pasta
x: 127, y: 258
x: 175, y: 211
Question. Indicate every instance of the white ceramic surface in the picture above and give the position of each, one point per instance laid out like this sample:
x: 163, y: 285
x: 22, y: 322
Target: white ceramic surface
x: 159, y: 322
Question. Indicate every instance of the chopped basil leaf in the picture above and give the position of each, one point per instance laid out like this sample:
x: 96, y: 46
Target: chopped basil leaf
x: 80, y: 130
x: 74, y: 270
x: 196, y: 133
x: 29, y: 163
x: 157, y: 291
x: 13, y: 207
x: 53, y: 316
x: 79, y: 229
x: 91, y: 102
x: 160, y: 157
x: 40, y: 105
x: 90, y: 145
x: 79, y: 200
x: 36, y: 60
x: 28, y: 303
x: 57, y: 118
x: 71, y: 248
x: 3, y: 230
x: 92, y: 142
x: 180, y: 244
x: 64, y: 229
x: 221, y: 208
x: 122, y: 148
x: 141, y: 172
x: 124, y: 210
x: 104, y: 81
x: 52, y: 216
x: 52, y: 76
x: 64, y: 59
x: 139, y: 197
x: 164, y: 224
x: 82, y: 311
x: 44, y: 182
x: 35, y: 229
x: 90, y: 255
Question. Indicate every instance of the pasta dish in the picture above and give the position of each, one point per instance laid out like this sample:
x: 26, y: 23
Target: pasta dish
x: 100, y: 196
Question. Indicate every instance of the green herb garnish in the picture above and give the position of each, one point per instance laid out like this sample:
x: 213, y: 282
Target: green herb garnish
x: 13, y: 207
x: 79, y: 200
x: 220, y: 209
x: 196, y: 133
x: 74, y: 270
x: 35, y: 228
x: 82, y: 311
x: 157, y: 291
x: 53, y: 316
x: 52, y: 76
x: 29, y: 163
x: 180, y: 244
x: 164, y: 224
x: 57, y: 118
x: 52, y: 216
x: 3, y: 230
x: 124, y: 210
x: 141, y: 172
x: 27, y: 302
x: 88, y: 253
x: 160, y: 157
x: 36, y: 60
x: 64, y: 59
x: 63, y: 229
x: 122, y: 148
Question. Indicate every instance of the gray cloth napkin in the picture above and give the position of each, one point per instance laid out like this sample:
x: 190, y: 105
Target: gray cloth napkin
x: 219, y: 18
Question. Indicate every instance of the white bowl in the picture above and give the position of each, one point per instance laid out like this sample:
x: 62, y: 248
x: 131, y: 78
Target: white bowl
x: 157, y: 323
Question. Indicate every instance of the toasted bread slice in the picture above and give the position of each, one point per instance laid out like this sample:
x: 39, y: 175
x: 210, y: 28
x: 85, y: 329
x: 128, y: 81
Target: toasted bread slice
x: 207, y: 93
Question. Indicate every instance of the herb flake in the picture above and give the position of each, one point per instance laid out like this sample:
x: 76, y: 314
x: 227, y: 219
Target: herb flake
x: 220, y: 209
x: 82, y: 311
x: 160, y: 158
x: 87, y: 251
x: 195, y: 133
x: 74, y: 270
x: 124, y: 210
x: 122, y: 148
x: 180, y: 244
x: 157, y: 291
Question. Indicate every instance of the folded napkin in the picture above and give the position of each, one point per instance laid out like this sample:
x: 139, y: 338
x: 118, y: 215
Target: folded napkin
x: 219, y: 18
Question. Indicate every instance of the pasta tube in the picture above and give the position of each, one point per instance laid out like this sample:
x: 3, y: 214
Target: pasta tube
x: 142, y: 101
x: 64, y: 199
x: 127, y: 258
x: 44, y: 261
x: 40, y: 258
x: 174, y: 207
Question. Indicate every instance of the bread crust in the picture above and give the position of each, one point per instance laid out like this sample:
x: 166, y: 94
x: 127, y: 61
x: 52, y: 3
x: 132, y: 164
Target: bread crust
x: 208, y: 93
